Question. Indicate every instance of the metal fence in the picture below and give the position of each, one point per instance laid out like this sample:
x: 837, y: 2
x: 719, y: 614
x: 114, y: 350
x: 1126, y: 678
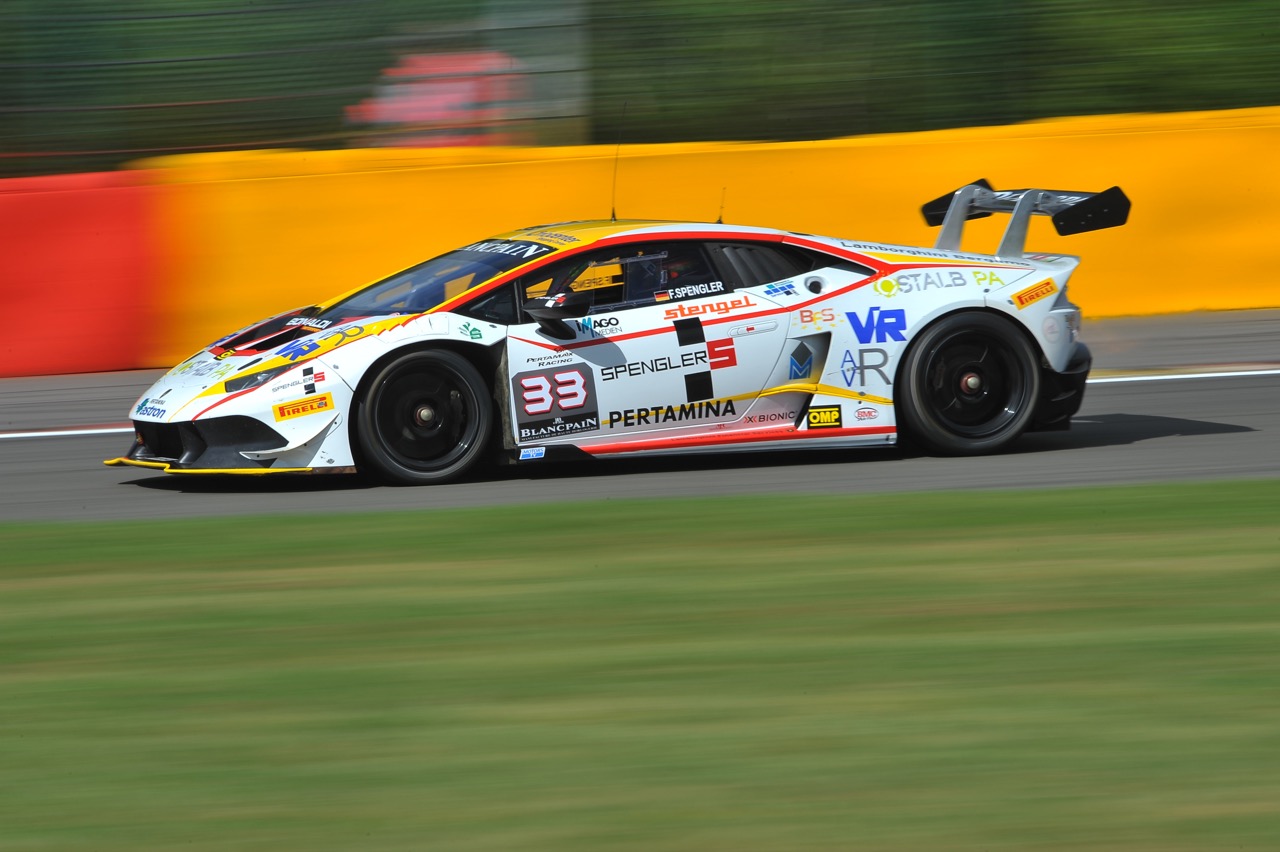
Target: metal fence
x: 92, y: 84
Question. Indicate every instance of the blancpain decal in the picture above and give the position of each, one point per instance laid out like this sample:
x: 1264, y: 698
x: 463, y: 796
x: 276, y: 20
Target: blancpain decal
x: 524, y: 250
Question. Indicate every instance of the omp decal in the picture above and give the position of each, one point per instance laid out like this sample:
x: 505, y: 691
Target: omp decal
x: 1034, y: 293
x: 302, y: 407
x: 825, y: 417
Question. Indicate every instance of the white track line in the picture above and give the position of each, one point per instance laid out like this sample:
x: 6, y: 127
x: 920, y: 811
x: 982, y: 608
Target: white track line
x: 1168, y: 377
x: 63, y: 433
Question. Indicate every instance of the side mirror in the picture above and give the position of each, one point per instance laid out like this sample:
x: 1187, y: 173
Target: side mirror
x: 562, y: 306
x: 551, y: 312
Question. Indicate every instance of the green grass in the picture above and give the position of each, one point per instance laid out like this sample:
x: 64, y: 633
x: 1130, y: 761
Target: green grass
x: 1000, y: 671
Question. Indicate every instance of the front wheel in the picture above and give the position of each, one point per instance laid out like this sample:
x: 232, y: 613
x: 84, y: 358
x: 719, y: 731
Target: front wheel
x: 969, y: 385
x: 425, y: 418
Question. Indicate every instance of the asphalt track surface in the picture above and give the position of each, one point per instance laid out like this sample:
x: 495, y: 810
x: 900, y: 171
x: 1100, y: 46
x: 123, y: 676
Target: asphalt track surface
x: 1186, y: 397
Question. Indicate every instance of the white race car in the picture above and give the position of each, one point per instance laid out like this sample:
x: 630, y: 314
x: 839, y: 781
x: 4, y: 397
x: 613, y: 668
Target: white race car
x: 627, y: 338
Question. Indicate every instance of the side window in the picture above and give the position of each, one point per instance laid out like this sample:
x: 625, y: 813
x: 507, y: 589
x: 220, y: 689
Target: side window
x: 630, y: 276
x: 686, y: 273
x: 752, y: 264
x: 498, y: 306
x: 598, y: 274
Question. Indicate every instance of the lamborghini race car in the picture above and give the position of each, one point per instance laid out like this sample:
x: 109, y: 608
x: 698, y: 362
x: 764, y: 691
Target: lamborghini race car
x: 632, y: 338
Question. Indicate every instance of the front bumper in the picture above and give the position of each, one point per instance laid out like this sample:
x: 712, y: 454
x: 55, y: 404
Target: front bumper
x: 1061, y: 394
x: 215, y: 445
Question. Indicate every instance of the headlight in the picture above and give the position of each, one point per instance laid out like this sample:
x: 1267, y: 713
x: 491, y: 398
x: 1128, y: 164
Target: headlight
x: 258, y: 379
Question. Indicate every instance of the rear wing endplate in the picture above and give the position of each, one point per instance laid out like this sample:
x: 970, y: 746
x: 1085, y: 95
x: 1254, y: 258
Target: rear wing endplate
x: 1072, y: 212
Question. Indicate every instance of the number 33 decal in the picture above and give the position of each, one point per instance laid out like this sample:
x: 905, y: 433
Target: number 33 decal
x: 540, y: 396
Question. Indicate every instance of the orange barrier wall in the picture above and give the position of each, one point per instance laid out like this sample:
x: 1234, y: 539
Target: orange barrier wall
x: 144, y: 267
x: 77, y: 273
x: 259, y: 232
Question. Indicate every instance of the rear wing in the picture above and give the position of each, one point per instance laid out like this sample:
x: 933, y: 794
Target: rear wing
x: 1072, y: 212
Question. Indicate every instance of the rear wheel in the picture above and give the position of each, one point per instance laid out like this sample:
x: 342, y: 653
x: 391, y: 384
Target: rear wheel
x: 425, y: 418
x: 969, y: 385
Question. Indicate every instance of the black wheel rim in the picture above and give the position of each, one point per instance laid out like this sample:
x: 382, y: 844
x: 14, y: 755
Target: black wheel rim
x: 425, y: 417
x: 975, y: 384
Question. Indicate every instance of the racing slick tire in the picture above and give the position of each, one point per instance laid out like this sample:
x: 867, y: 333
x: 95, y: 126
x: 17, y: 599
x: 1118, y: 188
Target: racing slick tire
x: 424, y: 419
x: 969, y: 385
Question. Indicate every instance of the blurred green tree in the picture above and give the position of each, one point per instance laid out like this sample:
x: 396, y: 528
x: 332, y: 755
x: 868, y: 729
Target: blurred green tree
x: 88, y: 84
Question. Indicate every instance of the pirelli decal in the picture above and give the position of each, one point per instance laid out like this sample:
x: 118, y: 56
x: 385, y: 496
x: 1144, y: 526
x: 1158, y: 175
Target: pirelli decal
x: 1035, y: 293
x: 301, y: 407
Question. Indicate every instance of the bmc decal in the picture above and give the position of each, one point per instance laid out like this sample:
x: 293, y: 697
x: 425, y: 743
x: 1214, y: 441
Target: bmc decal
x: 1035, y: 293
x: 866, y: 413
x: 825, y: 417
x: 554, y: 402
x: 302, y: 407
x: 879, y: 324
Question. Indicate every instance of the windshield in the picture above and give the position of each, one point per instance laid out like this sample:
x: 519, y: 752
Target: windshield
x: 429, y: 284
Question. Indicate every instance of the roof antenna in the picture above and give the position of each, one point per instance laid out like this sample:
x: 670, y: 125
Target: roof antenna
x: 720, y: 218
x: 613, y: 199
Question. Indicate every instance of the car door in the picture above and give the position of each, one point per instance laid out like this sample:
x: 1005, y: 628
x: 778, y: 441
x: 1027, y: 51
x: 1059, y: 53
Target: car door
x: 664, y: 345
